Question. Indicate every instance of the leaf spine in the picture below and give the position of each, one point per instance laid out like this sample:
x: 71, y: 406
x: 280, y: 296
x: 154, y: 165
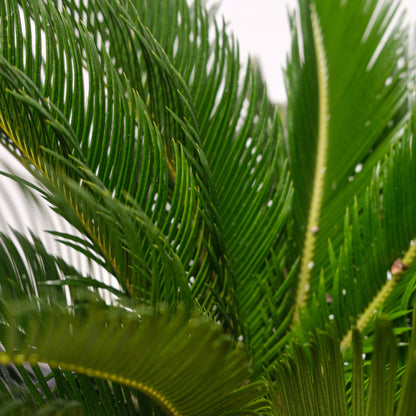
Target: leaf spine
x: 19, y: 359
x: 396, y: 274
x: 320, y: 168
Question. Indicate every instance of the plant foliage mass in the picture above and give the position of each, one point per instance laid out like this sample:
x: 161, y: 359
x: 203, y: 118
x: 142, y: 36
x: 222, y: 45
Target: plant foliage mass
x: 242, y: 258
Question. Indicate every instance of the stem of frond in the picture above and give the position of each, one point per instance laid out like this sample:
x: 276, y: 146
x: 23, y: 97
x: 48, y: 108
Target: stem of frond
x: 381, y: 296
x: 32, y: 359
x: 319, y: 176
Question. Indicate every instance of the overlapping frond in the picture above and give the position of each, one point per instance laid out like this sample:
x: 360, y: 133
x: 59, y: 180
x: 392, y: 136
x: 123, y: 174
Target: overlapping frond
x: 241, y: 137
x: 26, y: 267
x: 108, y: 130
x: 151, y: 158
x: 378, y: 242
x: 312, y: 381
x: 364, y: 95
x: 145, y: 131
x: 150, y: 352
x: 239, y: 134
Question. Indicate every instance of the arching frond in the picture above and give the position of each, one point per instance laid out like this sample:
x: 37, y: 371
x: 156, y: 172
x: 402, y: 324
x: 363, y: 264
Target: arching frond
x: 146, y: 132
x: 147, y: 351
x: 241, y: 140
x: 116, y: 141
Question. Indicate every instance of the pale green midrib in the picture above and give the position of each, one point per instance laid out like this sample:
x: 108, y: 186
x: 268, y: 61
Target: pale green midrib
x: 319, y: 176
x: 378, y: 300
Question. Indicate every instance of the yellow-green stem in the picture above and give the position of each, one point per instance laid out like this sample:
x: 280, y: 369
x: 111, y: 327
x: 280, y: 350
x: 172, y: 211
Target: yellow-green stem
x: 158, y: 397
x: 319, y: 176
x: 378, y: 300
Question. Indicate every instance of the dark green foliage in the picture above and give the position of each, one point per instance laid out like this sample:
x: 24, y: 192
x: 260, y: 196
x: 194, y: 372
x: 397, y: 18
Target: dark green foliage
x: 237, y: 260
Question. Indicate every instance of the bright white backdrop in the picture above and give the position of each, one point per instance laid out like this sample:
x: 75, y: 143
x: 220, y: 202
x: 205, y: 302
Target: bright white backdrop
x: 262, y: 28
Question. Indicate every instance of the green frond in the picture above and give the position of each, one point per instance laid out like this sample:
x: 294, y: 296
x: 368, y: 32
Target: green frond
x: 366, y: 108
x: 241, y: 170
x: 221, y: 242
x: 148, y: 351
x: 241, y: 136
x: 56, y: 408
x: 383, y: 375
x: 407, y: 403
x: 375, y: 245
x: 27, y: 270
x: 137, y: 162
x: 318, y: 376
x: 312, y: 381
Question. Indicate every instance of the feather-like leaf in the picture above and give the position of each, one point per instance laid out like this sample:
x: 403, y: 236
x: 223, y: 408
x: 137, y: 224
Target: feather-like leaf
x: 148, y: 351
x: 333, y: 145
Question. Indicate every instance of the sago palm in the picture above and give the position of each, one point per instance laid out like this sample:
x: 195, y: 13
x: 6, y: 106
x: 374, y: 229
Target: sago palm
x: 224, y: 260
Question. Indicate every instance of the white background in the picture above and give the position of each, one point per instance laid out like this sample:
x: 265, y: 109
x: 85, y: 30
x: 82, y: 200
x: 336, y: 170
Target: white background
x: 262, y: 28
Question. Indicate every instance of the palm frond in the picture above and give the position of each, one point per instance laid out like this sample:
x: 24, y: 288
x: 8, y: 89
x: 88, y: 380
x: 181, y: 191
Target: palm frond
x: 239, y: 134
x: 256, y: 171
x: 334, y: 146
x: 378, y: 243
x: 312, y: 380
x: 156, y: 354
x: 21, y: 261
x: 138, y: 163
x: 146, y: 132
